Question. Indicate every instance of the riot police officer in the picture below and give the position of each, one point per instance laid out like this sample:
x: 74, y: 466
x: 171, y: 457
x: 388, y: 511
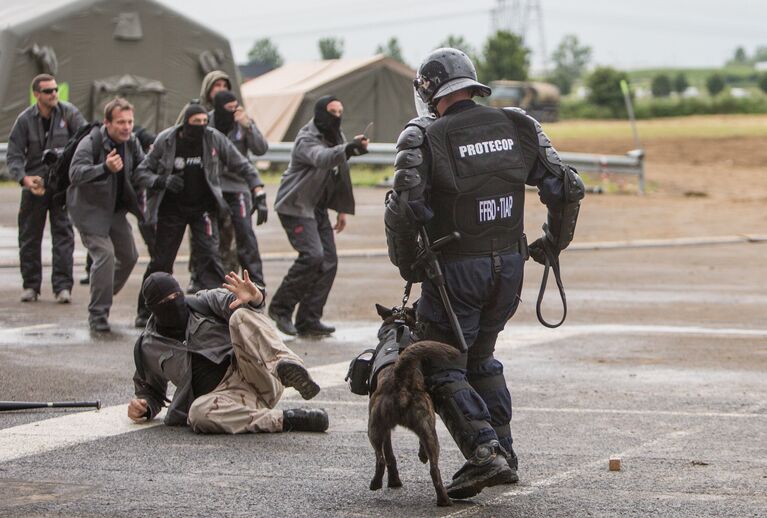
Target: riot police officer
x: 462, y: 167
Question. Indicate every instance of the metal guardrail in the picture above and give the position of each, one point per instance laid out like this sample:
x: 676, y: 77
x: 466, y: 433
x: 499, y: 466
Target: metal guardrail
x: 632, y: 163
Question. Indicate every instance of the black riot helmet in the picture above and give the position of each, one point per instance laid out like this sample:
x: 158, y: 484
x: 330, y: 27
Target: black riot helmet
x: 445, y: 71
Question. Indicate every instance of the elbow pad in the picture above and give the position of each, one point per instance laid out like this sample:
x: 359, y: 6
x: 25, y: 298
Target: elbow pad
x: 561, y: 223
x: 402, y: 236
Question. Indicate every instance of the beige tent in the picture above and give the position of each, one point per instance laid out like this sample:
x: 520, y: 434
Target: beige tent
x: 376, y: 89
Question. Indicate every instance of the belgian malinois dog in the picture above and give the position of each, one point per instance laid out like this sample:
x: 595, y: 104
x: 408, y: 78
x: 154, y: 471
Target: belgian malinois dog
x: 400, y: 398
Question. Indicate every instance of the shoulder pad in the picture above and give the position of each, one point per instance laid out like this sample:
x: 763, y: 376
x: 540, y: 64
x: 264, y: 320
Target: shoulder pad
x: 408, y: 158
x: 520, y: 111
x: 410, y: 138
x: 406, y: 179
x: 421, y: 122
x: 548, y: 154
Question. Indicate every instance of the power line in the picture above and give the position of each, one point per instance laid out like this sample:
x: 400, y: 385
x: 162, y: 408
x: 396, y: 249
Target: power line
x: 364, y: 26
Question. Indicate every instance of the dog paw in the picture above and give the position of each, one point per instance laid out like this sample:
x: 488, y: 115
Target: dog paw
x: 422, y: 454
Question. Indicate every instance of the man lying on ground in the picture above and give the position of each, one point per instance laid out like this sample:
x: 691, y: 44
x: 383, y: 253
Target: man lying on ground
x: 225, y: 358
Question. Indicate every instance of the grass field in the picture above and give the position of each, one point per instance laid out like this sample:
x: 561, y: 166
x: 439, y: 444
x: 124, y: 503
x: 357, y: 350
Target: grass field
x: 702, y: 126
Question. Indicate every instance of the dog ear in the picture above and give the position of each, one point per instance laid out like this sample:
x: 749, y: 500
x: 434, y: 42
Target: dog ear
x: 382, y: 311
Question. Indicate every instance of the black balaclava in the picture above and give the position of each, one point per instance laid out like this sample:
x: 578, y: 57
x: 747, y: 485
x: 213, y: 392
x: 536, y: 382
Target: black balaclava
x: 328, y: 124
x: 191, y: 133
x: 224, y: 119
x: 171, y: 316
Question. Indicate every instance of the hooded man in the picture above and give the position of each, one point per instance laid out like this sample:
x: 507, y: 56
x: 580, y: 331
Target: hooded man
x: 182, y: 173
x: 317, y: 179
x: 229, y: 118
x: 225, y: 359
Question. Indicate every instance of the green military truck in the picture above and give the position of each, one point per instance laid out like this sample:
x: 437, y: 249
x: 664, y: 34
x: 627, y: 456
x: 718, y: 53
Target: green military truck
x: 540, y: 100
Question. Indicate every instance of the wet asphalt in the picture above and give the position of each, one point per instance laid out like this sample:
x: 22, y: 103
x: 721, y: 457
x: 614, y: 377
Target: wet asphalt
x: 661, y: 363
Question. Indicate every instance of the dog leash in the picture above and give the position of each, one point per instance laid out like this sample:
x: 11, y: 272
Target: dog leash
x: 405, y: 297
x: 551, y: 263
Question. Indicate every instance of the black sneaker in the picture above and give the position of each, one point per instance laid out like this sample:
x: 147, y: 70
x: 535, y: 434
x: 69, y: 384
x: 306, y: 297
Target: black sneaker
x: 85, y: 280
x: 316, y: 328
x: 283, y: 322
x: 486, y: 468
x: 293, y: 374
x: 305, y: 420
x: 99, y: 326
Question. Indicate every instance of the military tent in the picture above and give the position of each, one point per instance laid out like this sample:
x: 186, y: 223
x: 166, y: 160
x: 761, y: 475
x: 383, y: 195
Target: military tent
x: 97, y: 49
x: 376, y: 89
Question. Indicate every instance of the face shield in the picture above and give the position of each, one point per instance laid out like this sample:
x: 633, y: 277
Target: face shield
x: 421, y: 107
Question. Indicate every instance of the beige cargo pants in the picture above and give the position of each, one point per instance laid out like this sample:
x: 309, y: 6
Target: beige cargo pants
x: 244, y: 400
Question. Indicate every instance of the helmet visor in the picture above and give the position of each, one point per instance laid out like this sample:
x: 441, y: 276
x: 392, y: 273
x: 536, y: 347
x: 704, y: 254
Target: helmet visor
x: 459, y: 84
x: 420, y: 106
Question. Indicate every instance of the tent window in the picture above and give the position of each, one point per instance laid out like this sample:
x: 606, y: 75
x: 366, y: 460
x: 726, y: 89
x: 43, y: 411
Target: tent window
x: 128, y: 27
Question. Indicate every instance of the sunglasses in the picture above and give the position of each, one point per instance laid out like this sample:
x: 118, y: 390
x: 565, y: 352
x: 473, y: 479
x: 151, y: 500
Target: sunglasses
x: 49, y: 91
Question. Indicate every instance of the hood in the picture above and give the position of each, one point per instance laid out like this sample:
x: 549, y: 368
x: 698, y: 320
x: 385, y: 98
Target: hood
x: 207, y: 83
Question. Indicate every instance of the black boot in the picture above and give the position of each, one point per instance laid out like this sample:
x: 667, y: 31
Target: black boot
x: 304, y: 420
x: 283, y: 322
x: 293, y: 374
x: 315, y: 328
x: 487, y: 467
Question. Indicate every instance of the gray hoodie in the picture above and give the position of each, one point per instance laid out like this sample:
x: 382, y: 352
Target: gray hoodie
x: 218, y: 154
x: 314, y: 167
x: 244, y: 139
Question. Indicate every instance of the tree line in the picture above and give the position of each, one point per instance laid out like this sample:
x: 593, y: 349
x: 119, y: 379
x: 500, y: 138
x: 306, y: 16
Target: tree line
x: 505, y: 56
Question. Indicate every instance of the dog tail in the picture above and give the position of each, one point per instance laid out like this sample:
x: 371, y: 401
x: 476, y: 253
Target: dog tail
x: 410, y: 359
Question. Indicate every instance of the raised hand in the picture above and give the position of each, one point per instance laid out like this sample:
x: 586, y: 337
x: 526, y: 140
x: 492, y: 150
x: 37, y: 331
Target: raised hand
x: 243, y: 288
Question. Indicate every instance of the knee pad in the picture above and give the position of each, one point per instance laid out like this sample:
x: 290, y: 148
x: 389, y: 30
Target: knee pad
x: 488, y: 381
x: 464, y: 413
x: 482, y: 348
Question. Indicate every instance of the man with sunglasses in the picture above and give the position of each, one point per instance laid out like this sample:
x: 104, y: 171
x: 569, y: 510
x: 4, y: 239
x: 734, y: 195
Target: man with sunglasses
x: 46, y: 125
x: 225, y: 358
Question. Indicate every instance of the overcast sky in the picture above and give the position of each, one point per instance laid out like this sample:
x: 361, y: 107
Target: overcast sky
x: 622, y: 33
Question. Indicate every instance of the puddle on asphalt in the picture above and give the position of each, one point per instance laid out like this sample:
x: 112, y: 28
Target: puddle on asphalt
x: 357, y: 333
x: 52, y: 334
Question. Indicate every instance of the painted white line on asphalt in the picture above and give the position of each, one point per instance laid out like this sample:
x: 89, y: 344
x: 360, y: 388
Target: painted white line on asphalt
x: 68, y: 430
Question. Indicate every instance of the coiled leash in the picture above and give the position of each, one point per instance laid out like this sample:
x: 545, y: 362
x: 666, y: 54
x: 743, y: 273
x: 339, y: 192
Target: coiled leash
x: 552, y: 262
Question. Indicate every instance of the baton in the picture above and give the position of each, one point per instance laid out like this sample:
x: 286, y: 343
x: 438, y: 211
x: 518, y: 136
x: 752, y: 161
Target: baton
x: 26, y: 405
x: 434, y: 272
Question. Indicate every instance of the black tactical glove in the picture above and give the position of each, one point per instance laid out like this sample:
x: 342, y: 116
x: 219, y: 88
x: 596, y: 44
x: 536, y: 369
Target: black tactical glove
x: 540, y: 247
x: 355, y: 148
x: 173, y: 183
x: 259, y: 205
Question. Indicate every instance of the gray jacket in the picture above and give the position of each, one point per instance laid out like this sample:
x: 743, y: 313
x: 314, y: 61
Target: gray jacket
x: 218, y: 153
x: 313, y: 164
x: 91, y: 195
x: 244, y: 139
x: 160, y: 359
x: 27, y: 142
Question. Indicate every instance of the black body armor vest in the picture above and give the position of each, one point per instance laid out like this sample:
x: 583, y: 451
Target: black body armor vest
x: 478, y: 179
